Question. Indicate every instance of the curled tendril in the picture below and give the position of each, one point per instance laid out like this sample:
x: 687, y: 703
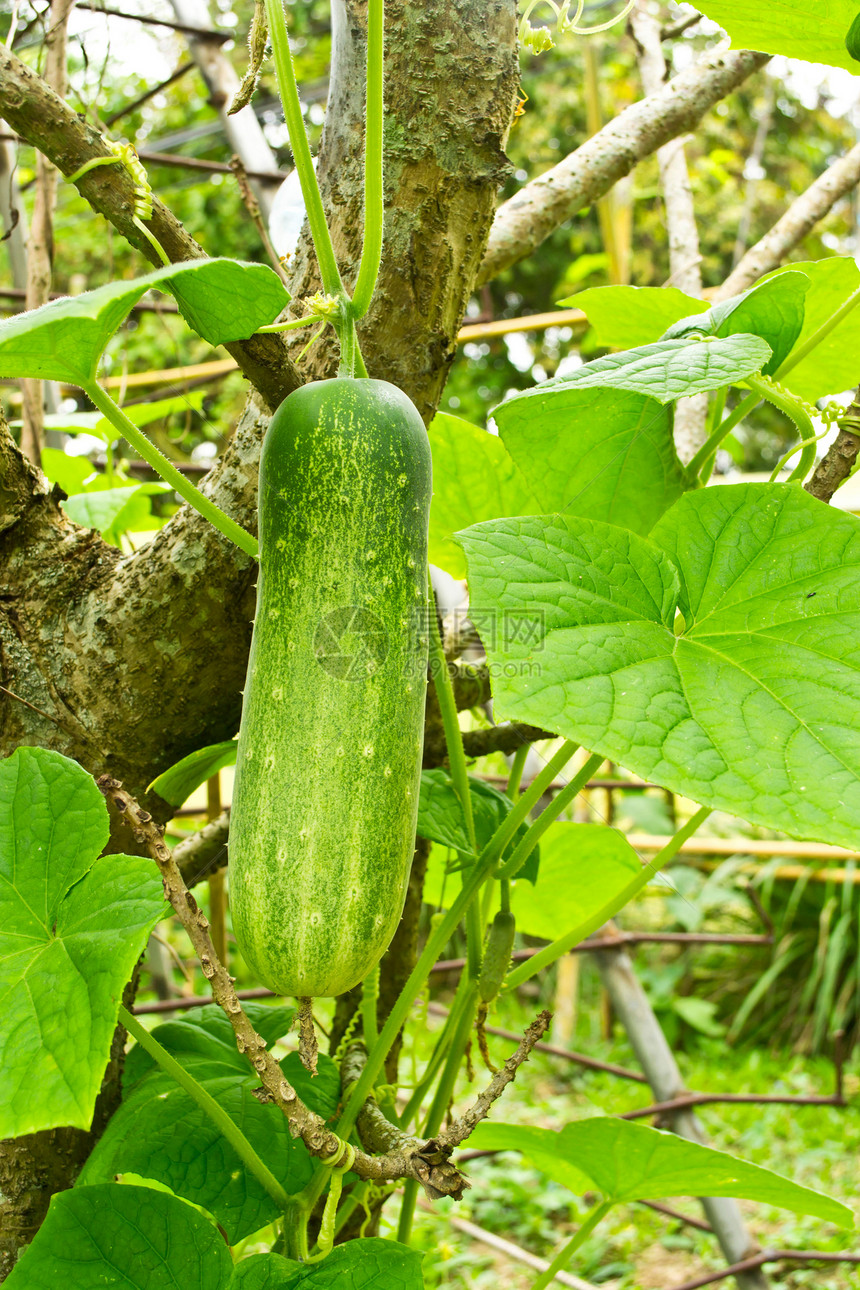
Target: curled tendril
x: 125, y: 155
x: 538, y: 39
x: 340, y: 1162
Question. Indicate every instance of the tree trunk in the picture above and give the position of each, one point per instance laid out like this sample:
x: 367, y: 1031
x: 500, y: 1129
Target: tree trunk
x: 127, y: 663
x: 451, y: 77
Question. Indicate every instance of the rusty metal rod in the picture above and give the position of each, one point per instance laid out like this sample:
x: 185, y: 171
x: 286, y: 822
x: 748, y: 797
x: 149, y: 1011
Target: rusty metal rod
x: 768, y: 1256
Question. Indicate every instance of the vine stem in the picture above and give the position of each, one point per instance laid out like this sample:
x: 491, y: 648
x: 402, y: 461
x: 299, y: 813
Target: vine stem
x: 746, y: 405
x: 289, y: 91
x: 511, y: 867
x: 371, y: 250
x: 450, y: 722
x: 793, y: 407
x: 579, y: 1237
x: 441, y: 1101
x: 557, y: 948
x: 157, y: 460
x: 515, y: 776
x: 413, y: 1106
x: 207, y: 1103
x: 476, y: 875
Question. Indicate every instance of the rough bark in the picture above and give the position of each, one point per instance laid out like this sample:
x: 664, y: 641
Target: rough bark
x: 139, y: 660
x: 524, y: 221
x: 40, y: 245
x: 451, y: 77
x: 131, y: 662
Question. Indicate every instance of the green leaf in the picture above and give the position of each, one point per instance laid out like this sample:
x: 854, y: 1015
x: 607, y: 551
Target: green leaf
x: 755, y: 708
x: 625, y: 317
x: 539, y: 1146
x: 67, y: 471
x: 140, y: 414
x: 178, y: 783
x: 71, y: 930
x: 606, y: 454
x: 372, y: 1264
x: 206, y: 1032
x: 773, y: 310
x: 834, y: 365
x: 700, y: 1014
x: 223, y: 300
x: 628, y: 1161
x: 441, y: 819
x: 582, y: 866
x: 132, y: 1237
x: 814, y: 30
x: 473, y: 479
x: 158, y: 1132
x: 110, y: 510
x: 226, y: 300
x: 572, y: 445
x: 669, y: 369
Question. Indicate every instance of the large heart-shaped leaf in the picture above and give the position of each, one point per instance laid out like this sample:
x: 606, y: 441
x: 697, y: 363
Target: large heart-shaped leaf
x: 71, y: 930
x: 206, y: 1032
x: 834, y: 364
x: 624, y: 317
x: 583, y: 866
x: 372, y: 1264
x: 627, y: 1161
x: 607, y: 454
x: 670, y: 369
x: 750, y: 703
x: 63, y: 340
x: 773, y: 309
x: 134, y: 1237
x: 814, y: 30
x: 160, y: 1133
x: 474, y: 479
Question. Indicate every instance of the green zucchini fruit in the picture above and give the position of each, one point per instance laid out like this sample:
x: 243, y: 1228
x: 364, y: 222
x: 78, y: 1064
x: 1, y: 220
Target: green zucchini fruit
x: 497, y: 955
x: 852, y: 40
x: 322, y: 826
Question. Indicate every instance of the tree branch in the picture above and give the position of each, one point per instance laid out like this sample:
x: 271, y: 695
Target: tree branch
x: 41, y: 118
x: 206, y: 850
x: 40, y: 243
x: 524, y: 221
x: 838, y: 461
x: 684, y: 258
x: 430, y: 1161
x: 800, y: 218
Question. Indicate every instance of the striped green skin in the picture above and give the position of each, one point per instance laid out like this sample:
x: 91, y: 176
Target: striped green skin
x: 322, y: 827
x: 497, y: 955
